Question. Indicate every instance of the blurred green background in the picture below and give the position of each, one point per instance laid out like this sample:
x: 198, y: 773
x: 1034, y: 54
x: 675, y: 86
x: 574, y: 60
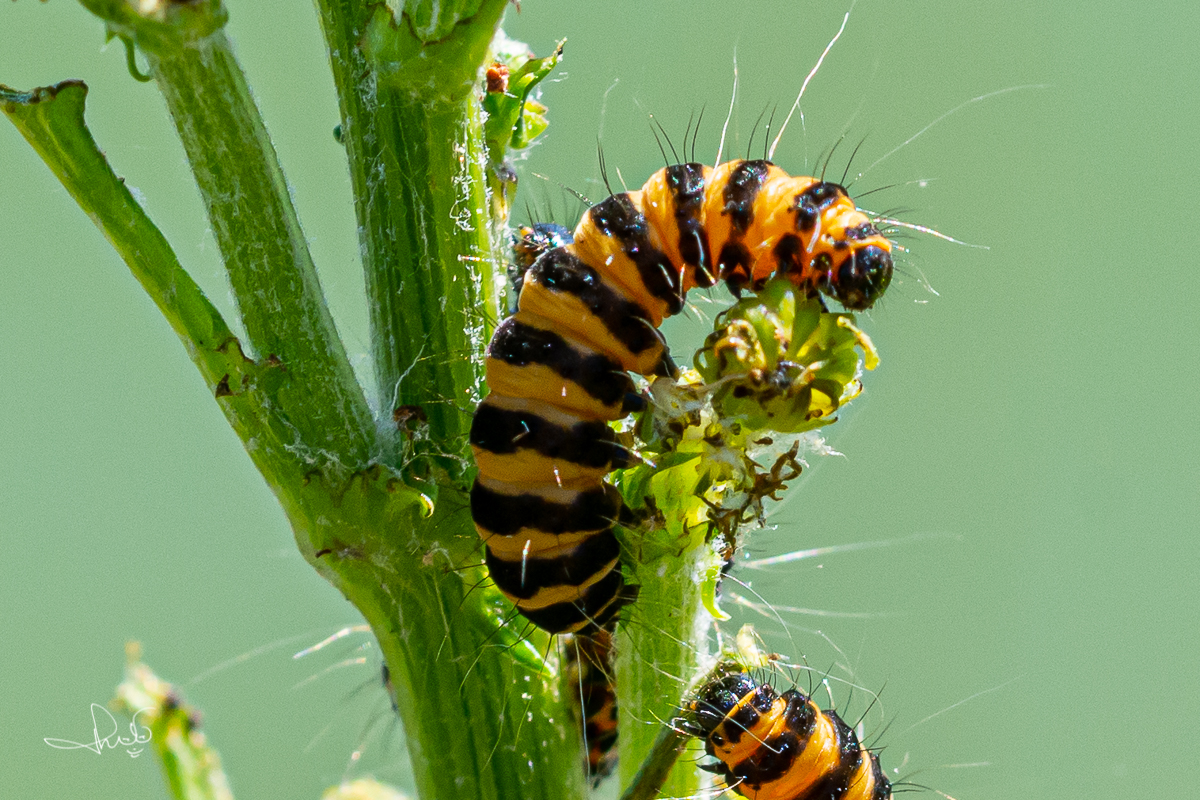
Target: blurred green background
x: 1029, y: 445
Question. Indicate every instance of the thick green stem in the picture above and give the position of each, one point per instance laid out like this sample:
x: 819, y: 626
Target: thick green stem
x: 431, y: 326
x: 479, y: 720
x: 664, y: 650
x: 481, y: 711
x: 416, y: 155
x: 265, y: 253
x: 269, y: 266
x: 480, y: 724
x: 52, y: 120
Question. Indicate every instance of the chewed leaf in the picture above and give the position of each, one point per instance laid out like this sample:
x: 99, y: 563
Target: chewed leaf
x: 514, y: 118
x: 709, y: 590
x: 870, y: 354
x: 778, y: 361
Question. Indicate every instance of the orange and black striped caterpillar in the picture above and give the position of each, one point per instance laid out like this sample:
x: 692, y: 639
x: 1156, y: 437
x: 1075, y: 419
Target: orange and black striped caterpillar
x: 588, y: 314
x: 772, y: 746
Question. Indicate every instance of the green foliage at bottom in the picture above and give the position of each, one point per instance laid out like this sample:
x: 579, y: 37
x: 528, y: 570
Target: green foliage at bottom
x: 190, y: 764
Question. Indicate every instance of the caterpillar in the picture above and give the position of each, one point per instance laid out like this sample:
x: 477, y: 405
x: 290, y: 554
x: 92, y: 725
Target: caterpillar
x: 529, y: 242
x: 589, y: 679
x: 588, y: 314
x: 772, y: 746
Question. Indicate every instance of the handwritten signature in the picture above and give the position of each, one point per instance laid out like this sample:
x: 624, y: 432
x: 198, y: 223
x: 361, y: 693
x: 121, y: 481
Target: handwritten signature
x: 103, y: 720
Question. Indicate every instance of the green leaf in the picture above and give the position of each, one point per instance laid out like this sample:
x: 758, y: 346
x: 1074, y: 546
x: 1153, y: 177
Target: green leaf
x: 514, y: 120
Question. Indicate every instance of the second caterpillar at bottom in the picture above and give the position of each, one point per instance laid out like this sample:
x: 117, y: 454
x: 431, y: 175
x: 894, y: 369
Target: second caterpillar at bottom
x: 772, y: 746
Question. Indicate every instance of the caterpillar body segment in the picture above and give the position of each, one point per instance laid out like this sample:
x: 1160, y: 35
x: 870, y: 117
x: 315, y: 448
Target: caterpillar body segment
x: 588, y: 314
x: 589, y: 305
x: 772, y: 746
x: 590, y: 681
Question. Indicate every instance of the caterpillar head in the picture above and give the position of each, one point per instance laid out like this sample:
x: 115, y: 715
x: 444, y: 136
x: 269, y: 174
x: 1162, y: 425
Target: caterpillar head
x: 530, y: 241
x: 715, y: 701
x: 860, y: 278
x: 851, y: 261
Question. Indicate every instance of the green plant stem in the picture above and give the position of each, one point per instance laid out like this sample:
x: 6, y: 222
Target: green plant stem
x: 663, y: 650
x: 652, y: 773
x: 267, y: 259
x: 416, y: 164
x: 191, y: 766
x: 432, y: 328
x: 479, y: 718
x: 478, y: 722
x: 52, y: 121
